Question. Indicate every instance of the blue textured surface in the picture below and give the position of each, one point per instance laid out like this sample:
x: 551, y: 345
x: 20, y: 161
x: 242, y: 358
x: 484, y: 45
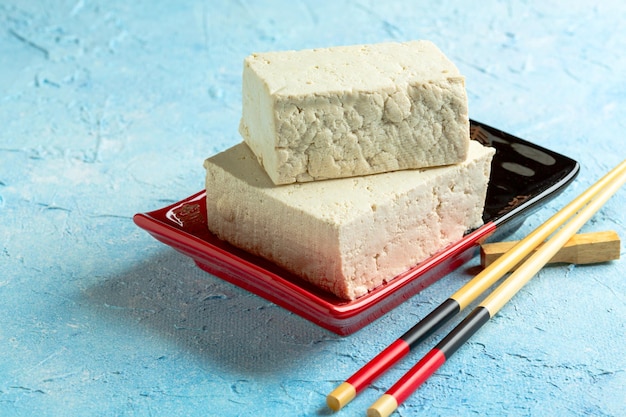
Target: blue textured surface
x: 108, y: 108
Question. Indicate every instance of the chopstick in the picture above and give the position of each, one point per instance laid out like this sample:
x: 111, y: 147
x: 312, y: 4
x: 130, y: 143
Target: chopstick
x: 348, y: 390
x: 434, y: 359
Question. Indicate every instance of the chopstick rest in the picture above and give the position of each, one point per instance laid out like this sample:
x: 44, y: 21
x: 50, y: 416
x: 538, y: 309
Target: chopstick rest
x: 584, y: 248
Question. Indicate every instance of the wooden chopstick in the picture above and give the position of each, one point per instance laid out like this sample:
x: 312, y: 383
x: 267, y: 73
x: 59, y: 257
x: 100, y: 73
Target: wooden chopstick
x: 400, y: 391
x: 348, y: 390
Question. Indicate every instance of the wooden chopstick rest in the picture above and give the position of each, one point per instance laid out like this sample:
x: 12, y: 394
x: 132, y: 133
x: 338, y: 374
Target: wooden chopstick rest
x: 584, y: 248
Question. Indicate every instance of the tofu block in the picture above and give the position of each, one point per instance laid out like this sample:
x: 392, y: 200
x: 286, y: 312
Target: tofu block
x: 346, y: 236
x: 353, y: 110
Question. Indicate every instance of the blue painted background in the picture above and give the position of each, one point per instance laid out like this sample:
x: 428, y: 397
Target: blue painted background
x: 108, y: 108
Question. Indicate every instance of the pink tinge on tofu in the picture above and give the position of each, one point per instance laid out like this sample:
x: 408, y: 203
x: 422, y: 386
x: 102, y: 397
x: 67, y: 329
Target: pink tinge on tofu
x: 350, y: 235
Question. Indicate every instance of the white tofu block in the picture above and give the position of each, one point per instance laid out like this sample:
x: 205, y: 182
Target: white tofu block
x: 347, y: 235
x: 353, y: 110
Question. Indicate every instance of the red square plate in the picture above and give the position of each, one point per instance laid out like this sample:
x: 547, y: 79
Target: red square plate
x: 524, y: 176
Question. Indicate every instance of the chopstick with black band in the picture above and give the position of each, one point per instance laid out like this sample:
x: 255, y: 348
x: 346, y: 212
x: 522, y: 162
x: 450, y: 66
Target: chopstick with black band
x: 348, y: 390
x: 417, y: 375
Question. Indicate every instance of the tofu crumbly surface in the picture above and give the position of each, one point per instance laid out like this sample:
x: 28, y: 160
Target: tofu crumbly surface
x: 346, y: 236
x: 353, y: 110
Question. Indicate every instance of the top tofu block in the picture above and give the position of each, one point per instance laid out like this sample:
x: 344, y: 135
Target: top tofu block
x: 354, y: 110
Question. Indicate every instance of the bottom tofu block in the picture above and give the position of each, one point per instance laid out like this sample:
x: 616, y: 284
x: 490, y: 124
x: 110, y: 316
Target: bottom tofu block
x: 348, y: 235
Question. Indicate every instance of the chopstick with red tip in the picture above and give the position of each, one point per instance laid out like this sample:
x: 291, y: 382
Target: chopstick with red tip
x: 417, y: 375
x: 348, y: 390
